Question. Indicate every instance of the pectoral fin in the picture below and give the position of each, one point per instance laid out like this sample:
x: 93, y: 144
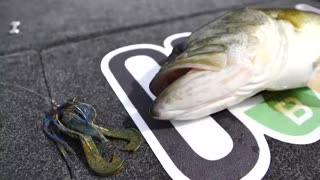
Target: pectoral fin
x: 314, y: 82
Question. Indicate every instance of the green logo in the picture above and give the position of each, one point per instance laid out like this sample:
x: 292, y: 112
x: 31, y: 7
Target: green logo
x: 293, y: 112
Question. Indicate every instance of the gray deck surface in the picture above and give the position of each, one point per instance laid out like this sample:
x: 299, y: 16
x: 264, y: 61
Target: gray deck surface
x: 58, y: 53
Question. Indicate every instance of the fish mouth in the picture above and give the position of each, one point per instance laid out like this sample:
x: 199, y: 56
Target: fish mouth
x: 172, y: 71
x: 187, y: 93
x: 165, y: 79
x: 182, y: 73
x: 159, y: 84
x: 160, y: 87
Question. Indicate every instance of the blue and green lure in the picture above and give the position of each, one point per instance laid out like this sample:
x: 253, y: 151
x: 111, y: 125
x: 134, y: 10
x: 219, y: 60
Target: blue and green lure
x: 76, y: 119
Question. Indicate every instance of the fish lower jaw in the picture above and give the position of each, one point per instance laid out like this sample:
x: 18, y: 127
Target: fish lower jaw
x: 195, y: 112
x: 178, y: 115
x: 165, y: 115
x: 187, y: 114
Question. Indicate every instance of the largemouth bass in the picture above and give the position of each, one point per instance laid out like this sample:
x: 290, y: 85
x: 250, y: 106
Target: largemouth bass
x: 236, y: 56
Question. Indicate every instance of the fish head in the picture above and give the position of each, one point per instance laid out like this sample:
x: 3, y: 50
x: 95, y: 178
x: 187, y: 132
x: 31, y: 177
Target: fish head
x: 218, y: 62
x: 192, y: 86
x: 233, y: 58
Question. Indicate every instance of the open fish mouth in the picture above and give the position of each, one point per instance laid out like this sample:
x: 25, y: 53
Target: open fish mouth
x: 185, y: 93
x: 160, y: 87
x: 162, y: 81
x: 172, y: 71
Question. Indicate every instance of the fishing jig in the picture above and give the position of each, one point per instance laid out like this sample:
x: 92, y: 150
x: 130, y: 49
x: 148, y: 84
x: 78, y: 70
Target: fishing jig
x: 76, y: 119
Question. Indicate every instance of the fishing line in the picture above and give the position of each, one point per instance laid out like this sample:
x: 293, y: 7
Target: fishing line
x: 52, y: 102
x: 55, y: 105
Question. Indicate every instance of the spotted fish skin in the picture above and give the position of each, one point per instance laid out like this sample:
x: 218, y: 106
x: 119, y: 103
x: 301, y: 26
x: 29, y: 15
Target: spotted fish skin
x: 236, y: 56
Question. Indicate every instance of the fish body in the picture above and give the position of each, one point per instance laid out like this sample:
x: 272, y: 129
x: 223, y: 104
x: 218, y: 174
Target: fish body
x: 236, y: 56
